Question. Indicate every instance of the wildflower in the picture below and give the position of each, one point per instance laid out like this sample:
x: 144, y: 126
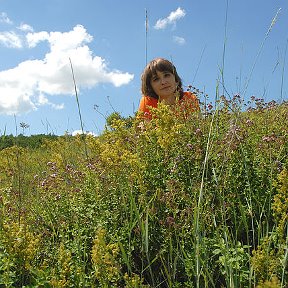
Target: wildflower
x: 104, y: 259
x: 189, y: 146
x: 236, y: 96
x: 52, y: 165
x: 279, y: 165
x: 210, y: 106
x: 43, y: 183
x: 271, y: 138
x: 249, y: 122
x: 198, y: 132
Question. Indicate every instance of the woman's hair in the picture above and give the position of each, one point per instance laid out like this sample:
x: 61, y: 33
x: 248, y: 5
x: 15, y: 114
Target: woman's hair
x: 162, y: 65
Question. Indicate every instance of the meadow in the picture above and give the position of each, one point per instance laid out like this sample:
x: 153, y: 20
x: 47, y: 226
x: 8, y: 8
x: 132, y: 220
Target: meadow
x: 185, y: 200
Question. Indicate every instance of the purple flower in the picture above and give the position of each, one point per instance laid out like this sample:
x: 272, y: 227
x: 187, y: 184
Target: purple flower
x: 189, y: 146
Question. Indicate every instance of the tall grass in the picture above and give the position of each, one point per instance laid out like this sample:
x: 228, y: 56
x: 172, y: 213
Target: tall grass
x: 187, y: 201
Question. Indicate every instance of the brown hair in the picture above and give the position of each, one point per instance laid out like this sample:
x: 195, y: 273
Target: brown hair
x: 158, y: 64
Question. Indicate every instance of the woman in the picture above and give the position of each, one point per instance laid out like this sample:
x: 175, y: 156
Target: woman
x: 161, y: 83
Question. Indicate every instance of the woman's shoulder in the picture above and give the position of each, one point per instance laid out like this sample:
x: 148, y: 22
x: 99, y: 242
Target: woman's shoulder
x: 146, y: 101
x: 149, y: 99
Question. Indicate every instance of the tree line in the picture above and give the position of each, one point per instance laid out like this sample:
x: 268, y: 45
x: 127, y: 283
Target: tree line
x: 33, y: 141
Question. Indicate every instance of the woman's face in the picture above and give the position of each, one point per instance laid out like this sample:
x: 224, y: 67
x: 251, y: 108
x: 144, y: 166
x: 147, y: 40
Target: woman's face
x: 164, y: 84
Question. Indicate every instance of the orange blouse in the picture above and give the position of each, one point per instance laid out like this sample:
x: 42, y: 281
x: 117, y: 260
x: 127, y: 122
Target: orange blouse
x: 147, y: 102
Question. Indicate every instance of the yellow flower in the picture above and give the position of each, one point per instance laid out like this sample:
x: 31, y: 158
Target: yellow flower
x: 104, y: 259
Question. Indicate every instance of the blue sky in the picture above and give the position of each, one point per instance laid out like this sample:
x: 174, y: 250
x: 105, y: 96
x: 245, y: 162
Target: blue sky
x: 106, y: 44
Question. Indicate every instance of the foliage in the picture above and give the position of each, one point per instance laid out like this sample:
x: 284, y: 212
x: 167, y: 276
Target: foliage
x: 33, y: 141
x: 184, y: 200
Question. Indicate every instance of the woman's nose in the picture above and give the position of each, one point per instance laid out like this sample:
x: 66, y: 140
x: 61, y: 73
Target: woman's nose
x: 163, y: 80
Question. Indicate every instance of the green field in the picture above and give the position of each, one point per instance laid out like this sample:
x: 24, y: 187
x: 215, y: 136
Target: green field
x: 197, y: 200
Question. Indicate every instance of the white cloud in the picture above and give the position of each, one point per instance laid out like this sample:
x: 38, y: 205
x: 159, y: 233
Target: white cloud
x: 28, y: 85
x: 43, y: 100
x: 10, y: 39
x: 173, y: 17
x: 4, y: 18
x: 25, y: 27
x: 179, y: 40
x: 34, y: 38
x: 79, y: 132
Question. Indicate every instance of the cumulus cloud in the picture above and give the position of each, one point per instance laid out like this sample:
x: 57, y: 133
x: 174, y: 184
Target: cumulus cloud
x: 28, y: 85
x: 173, y: 17
x: 179, y: 40
x: 35, y: 38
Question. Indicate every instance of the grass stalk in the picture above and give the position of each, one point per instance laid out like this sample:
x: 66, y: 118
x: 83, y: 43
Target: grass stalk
x: 146, y: 36
x: 79, y: 110
x: 260, y: 50
x: 283, y: 70
x: 224, y: 47
x: 198, y: 208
